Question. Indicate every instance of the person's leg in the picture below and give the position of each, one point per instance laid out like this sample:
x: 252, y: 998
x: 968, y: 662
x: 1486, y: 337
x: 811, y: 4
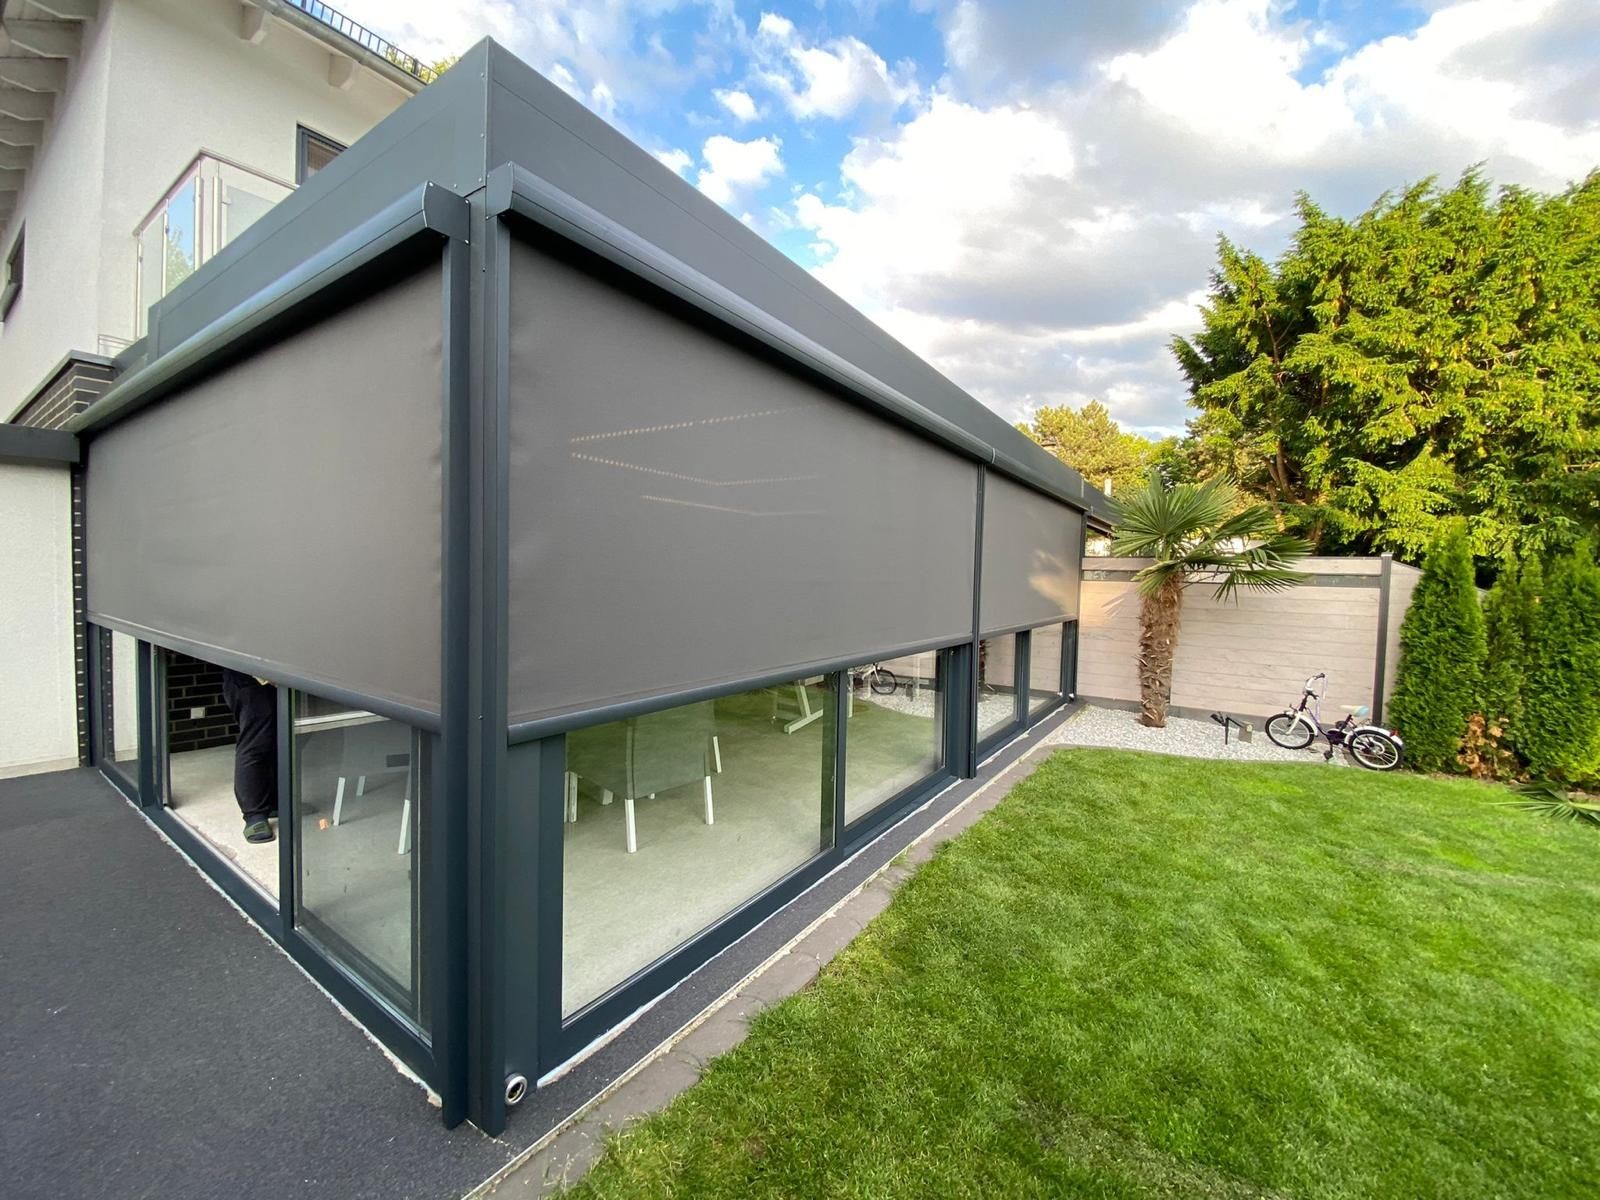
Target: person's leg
x: 255, y: 757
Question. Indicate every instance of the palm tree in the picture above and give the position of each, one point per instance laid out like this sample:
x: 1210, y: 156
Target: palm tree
x: 1194, y: 533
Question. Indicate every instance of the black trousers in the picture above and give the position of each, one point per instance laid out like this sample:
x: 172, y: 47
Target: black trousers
x: 255, y: 759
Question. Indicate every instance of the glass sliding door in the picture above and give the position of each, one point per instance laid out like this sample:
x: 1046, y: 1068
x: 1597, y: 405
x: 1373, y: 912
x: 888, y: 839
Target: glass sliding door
x: 360, y: 789
x: 997, y: 685
x: 674, y: 819
x: 1045, y: 685
x: 895, y: 734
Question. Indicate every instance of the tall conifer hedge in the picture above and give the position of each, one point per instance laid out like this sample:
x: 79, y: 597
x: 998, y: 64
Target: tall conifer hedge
x: 1442, y: 652
x: 1560, y: 736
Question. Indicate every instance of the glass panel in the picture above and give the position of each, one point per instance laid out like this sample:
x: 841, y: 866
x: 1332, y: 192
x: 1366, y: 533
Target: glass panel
x: 152, y: 267
x: 675, y: 818
x: 997, y: 684
x: 359, y: 790
x: 119, y: 709
x: 245, y: 199
x: 896, y: 735
x: 181, y: 235
x: 1044, y: 667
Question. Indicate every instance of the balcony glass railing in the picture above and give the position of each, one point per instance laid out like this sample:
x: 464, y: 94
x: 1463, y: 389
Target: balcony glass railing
x: 213, y: 202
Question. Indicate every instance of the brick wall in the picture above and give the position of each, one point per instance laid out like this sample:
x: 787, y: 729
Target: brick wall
x: 192, y: 684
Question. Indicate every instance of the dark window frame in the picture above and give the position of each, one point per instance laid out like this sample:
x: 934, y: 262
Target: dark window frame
x: 304, y: 140
x: 15, y: 259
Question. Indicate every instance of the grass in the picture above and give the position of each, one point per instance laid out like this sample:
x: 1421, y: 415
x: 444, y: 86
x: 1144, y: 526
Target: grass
x: 1148, y: 976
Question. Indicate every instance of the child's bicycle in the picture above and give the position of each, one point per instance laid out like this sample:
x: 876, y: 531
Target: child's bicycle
x: 1372, y: 746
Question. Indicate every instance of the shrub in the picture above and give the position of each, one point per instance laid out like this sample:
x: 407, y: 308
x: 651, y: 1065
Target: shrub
x: 1442, y: 653
x: 1508, y: 618
x: 1561, y: 720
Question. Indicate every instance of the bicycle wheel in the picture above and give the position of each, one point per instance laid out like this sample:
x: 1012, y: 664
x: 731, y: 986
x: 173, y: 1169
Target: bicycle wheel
x: 1286, y: 731
x: 884, y: 682
x: 1374, y: 750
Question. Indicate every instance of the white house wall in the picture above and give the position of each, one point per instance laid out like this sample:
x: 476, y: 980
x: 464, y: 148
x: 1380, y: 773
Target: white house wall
x: 38, y: 713
x: 156, y: 82
x: 60, y: 206
x: 183, y: 81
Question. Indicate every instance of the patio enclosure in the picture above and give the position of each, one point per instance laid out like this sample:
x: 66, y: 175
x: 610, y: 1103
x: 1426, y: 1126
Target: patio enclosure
x: 614, y: 581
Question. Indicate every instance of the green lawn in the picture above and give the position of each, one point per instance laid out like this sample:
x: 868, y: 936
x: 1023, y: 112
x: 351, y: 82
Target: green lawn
x: 1148, y: 976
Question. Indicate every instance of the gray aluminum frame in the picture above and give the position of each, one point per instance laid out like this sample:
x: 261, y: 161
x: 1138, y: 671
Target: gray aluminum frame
x: 491, y: 921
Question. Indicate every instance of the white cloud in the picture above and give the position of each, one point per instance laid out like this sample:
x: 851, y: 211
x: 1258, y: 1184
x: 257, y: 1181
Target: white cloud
x: 830, y: 79
x: 738, y: 103
x: 676, y: 160
x: 733, y: 168
x: 607, y: 48
x: 1044, y: 248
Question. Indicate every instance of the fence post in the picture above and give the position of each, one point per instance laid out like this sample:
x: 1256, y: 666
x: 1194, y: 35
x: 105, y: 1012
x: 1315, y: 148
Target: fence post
x: 1380, y: 669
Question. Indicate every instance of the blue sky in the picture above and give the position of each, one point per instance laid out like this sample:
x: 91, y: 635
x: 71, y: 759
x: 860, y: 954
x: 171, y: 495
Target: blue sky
x: 1029, y: 193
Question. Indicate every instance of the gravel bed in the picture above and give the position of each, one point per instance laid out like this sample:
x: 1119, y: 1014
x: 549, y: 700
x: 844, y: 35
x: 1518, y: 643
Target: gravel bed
x: 1117, y: 729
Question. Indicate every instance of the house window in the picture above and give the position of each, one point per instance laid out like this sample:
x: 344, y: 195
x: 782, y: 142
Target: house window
x: 313, y: 153
x: 13, y: 277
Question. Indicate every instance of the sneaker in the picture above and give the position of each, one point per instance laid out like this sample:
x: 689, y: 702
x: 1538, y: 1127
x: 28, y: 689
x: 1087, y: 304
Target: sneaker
x: 259, y: 830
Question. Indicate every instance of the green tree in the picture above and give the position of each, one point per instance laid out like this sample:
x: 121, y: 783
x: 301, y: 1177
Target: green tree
x: 1442, y: 651
x: 1091, y: 442
x: 1509, y: 612
x: 1193, y: 533
x: 1561, y: 725
x: 1433, y: 358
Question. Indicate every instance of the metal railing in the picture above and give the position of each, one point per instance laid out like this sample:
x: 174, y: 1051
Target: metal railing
x: 214, y: 201
x: 362, y: 36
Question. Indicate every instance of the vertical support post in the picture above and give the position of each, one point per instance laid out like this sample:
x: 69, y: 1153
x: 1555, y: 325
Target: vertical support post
x: 835, y: 734
x: 144, y: 655
x: 95, y: 686
x: 967, y: 767
x: 1069, y: 660
x: 491, y: 821
x: 1024, y: 675
x: 1380, y: 668
x: 289, y: 848
x: 446, y: 811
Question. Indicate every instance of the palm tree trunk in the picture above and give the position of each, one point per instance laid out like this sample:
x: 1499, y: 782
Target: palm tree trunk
x: 1158, y: 643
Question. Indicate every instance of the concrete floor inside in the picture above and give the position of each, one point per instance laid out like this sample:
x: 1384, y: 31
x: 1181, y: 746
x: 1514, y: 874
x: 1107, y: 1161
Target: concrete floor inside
x: 354, y: 879
x: 623, y: 911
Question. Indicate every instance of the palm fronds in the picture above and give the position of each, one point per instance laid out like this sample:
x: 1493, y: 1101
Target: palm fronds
x: 1199, y: 530
x: 1552, y: 799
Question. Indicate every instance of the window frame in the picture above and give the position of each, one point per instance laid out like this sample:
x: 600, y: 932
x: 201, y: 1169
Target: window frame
x: 537, y: 770
x: 16, y: 258
x: 304, y: 139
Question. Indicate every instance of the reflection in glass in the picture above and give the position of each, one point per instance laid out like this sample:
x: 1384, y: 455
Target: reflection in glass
x: 997, y: 684
x: 895, y: 737
x: 359, y: 792
x: 676, y: 818
x: 1044, y: 667
x: 182, y: 235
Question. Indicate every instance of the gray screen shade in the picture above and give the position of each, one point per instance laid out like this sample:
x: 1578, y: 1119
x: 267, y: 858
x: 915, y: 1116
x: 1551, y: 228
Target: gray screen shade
x: 288, y: 508
x: 682, y: 513
x: 1032, y: 557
